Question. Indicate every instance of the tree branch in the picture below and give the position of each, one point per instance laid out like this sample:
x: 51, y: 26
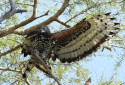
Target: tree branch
x: 8, y: 69
x: 20, y: 10
x: 85, y: 10
x: 17, y: 71
x: 62, y: 9
x: 117, y: 39
x: 43, y: 15
x: 24, y: 4
x: 12, y: 4
x: 63, y: 23
x: 12, y: 29
x: 12, y: 11
x: 118, y: 46
x: 48, y: 21
x: 34, y: 8
x: 27, y: 81
x: 118, y: 64
x: 11, y: 50
x: 15, y: 48
x: 21, y: 31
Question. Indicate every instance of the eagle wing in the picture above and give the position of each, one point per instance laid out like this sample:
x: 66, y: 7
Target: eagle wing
x: 27, y: 43
x: 83, y: 39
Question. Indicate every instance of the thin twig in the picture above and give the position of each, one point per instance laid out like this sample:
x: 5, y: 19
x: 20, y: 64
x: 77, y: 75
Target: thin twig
x: 27, y: 81
x: 117, y: 40
x: 12, y: 4
x: 11, y: 50
x: 18, y: 46
x: 18, y: 71
x: 12, y: 29
x: 24, y: 4
x: 117, y: 46
x: 85, y: 10
x: 48, y: 21
x: 8, y: 69
x: 43, y: 15
x: 34, y: 8
x: 12, y: 11
x: 63, y: 23
x: 116, y: 67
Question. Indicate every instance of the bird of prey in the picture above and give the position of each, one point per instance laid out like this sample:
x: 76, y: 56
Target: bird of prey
x: 68, y: 45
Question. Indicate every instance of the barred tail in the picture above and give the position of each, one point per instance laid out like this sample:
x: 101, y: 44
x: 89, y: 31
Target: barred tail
x: 31, y: 64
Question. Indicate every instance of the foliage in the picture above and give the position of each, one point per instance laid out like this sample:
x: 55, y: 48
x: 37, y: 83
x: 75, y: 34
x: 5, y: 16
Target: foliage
x: 12, y: 64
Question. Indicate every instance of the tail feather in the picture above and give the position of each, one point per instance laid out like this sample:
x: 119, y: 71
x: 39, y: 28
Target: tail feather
x: 33, y: 63
x: 28, y: 69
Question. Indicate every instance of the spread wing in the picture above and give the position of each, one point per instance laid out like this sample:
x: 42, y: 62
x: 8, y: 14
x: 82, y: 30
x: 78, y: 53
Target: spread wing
x: 84, y: 38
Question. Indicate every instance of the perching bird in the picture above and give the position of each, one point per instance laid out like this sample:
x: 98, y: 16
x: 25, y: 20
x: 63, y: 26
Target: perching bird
x: 38, y: 41
x: 72, y: 44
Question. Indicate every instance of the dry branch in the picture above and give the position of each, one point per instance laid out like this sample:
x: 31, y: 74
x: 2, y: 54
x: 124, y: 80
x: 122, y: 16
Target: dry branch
x: 17, y: 71
x: 24, y: 4
x: 18, y: 46
x: 12, y: 11
x: 12, y: 29
x: 34, y: 8
x: 85, y: 10
x: 11, y: 50
x: 12, y: 4
x: 63, y: 23
x: 48, y: 21
x: 118, y: 46
x: 27, y: 81
x: 8, y: 69
x: 21, y: 31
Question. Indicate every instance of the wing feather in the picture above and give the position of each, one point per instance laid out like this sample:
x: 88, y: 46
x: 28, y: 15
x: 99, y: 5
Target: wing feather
x: 84, y: 38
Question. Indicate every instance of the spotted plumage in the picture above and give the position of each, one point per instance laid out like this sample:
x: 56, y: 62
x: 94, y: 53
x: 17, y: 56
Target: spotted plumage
x: 72, y: 44
x: 38, y: 43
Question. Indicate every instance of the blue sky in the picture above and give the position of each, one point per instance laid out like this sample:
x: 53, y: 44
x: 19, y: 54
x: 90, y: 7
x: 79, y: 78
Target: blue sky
x: 103, y: 63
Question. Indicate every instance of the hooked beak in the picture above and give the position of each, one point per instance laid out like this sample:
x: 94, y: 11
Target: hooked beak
x: 42, y: 31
